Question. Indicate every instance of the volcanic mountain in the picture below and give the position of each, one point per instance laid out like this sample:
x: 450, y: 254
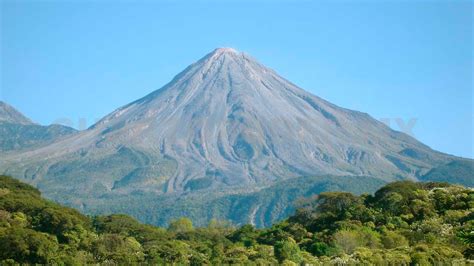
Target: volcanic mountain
x: 226, y: 125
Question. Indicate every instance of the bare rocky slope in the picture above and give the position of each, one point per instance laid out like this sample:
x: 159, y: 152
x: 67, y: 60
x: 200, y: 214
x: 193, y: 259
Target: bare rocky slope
x: 226, y: 125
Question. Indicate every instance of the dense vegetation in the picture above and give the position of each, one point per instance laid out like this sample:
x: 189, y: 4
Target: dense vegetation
x: 402, y: 223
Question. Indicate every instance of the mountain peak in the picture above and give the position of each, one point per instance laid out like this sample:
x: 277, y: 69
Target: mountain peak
x: 226, y: 50
x: 11, y: 115
x: 220, y: 54
x: 223, y: 53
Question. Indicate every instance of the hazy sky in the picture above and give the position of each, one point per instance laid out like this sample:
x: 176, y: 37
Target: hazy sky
x: 405, y: 61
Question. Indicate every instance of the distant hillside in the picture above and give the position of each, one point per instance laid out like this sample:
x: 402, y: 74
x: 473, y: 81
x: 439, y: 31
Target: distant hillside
x: 8, y: 114
x: 19, y: 133
x: 403, y: 223
x: 456, y: 172
x: 17, y: 137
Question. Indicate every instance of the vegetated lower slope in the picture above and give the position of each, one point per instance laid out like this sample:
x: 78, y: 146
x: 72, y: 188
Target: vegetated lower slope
x: 403, y: 223
x: 260, y: 208
x: 456, y: 172
x: 225, y: 125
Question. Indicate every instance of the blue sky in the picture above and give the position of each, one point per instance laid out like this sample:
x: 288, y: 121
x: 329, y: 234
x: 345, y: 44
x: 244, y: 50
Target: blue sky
x: 396, y: 60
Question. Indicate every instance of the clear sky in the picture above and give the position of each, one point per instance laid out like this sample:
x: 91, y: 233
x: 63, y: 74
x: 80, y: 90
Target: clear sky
x: 408, y: 61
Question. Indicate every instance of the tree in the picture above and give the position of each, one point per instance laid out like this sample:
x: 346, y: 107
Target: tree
x: 288, y: 250
x: 394, y: 197
x: 319, y: 249
x: 27, y: 246
x: 181, y: 225
x: 347, y: 240
x: 246, y: 234
x: 170, y: 252
x: 391, y: 239
x: 236, y: 255
x: 337, y: 203
x: 60, y: 222
x: 117, y: 248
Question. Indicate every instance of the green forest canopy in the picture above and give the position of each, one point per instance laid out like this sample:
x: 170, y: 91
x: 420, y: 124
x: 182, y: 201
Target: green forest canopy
x: 402, y: 223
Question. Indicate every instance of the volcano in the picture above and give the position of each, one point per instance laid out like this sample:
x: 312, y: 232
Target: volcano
x: 226, y: 125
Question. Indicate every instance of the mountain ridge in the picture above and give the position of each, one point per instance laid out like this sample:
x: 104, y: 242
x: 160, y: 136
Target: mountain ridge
x: 8, y: 114
x: 19, y: 133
